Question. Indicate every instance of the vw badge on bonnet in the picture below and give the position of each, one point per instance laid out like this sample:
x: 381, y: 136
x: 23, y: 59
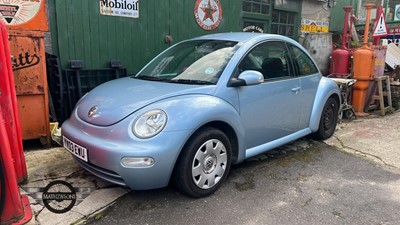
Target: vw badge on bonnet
x: 92, y: 111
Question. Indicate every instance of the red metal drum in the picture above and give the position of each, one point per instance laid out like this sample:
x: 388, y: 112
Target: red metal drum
x: 340, y: 63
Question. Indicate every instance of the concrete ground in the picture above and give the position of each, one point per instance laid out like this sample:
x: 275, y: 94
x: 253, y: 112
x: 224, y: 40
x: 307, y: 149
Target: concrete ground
x: 318, y: 185
x: 373, y: 138
x: 52, y: 164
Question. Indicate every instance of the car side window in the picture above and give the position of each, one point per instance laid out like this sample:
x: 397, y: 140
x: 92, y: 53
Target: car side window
x: 269, y: 58
x: 303, y: 64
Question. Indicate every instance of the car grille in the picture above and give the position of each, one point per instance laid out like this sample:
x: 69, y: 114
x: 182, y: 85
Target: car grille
x: 102, y: 173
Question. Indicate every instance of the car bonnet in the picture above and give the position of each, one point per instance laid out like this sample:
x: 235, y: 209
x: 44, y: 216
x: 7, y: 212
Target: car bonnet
x: 111, y: 102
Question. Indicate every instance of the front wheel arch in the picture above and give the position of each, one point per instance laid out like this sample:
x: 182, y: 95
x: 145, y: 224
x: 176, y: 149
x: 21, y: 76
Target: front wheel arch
x: 183, y: 178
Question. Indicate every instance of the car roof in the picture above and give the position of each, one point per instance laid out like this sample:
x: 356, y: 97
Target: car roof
x: 237, y: 36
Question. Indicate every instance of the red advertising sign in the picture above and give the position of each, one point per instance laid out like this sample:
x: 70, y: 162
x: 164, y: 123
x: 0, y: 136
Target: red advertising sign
x: 208, y: 14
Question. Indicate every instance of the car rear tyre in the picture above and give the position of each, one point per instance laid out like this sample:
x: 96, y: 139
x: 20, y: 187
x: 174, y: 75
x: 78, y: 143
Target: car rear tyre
x: 203, y: 164
x: 329, y: 117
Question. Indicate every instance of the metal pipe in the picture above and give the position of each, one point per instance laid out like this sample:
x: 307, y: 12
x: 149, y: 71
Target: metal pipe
x: 367, y: 22
x: 351, y: 25
x: 347, y: 10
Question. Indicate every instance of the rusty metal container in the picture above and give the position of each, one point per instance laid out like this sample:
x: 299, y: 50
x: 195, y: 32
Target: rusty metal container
x: 380, y: 56
x: 27, y: 49
x: 26, y: 22
x: 363, y: 69
x: 8, y: 101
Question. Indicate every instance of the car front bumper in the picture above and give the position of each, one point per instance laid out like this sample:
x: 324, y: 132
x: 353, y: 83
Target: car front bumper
x: 106, y: 146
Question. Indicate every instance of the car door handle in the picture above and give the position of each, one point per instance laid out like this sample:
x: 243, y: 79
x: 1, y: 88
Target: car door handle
x: 296, y: 90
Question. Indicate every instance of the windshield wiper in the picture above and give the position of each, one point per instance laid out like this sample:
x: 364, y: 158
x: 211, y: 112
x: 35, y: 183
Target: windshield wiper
x: 149, y: 78
x: 189, y: 81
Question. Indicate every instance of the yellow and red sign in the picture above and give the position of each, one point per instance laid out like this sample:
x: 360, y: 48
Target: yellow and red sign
x: 314, y: 26
x: 24, y: 14
x: 208, y: 14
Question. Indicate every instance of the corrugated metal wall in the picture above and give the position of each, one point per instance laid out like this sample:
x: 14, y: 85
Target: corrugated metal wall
x: 79, y: 32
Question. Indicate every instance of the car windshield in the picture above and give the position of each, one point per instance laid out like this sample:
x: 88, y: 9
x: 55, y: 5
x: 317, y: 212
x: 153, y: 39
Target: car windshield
x: 191, y: 62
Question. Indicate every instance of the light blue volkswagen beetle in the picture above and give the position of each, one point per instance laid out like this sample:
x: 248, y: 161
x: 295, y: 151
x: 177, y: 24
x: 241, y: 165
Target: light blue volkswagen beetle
x: 199, y: 107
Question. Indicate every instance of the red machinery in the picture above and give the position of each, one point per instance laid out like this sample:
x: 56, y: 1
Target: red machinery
x: 340, y: 62
x: 14, y: 208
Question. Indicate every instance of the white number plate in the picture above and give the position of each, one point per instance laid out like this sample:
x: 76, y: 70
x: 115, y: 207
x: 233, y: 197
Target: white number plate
x: 75, y: 149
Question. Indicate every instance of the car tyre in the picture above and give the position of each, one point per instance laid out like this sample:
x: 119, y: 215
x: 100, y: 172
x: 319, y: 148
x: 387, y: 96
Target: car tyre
x: 328, y: 121
x: 203, y: 164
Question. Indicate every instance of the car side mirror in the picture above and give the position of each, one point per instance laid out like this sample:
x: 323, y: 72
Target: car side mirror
x: 247, y: 78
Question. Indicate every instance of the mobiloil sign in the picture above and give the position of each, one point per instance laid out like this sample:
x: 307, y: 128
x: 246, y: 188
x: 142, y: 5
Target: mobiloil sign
x: 124, y: 8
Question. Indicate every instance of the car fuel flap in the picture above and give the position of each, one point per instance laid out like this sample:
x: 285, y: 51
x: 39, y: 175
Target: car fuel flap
x: 111, y: 102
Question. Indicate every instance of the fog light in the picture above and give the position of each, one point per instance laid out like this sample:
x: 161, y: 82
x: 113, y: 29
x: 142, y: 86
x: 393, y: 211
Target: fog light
x: 137, y: 162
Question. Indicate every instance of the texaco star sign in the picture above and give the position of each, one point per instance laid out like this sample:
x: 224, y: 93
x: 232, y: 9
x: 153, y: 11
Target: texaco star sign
x: 208, y: 14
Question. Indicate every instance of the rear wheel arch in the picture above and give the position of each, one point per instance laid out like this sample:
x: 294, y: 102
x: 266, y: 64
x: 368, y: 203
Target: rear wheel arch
x: 334, y: 96
x: 337, y: 98
x: 328, y: 118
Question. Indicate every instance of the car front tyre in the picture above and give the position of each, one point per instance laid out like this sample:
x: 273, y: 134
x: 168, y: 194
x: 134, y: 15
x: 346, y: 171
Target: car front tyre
x: 203, y: 164
x: 328, y: 121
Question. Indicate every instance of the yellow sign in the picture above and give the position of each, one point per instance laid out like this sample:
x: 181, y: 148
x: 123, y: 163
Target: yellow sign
x: 379, y: 62
x: 314, y: 26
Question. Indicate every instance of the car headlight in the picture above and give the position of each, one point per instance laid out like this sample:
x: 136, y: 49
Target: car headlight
x: 150, y: 123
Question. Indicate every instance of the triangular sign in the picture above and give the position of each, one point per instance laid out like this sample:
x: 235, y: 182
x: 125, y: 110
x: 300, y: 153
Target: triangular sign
x: 380, y: 29
x: 8, y: 12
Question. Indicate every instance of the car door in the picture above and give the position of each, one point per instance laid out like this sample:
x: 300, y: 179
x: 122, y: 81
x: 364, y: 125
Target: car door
x: 309, y: 77
x: 269, y: 110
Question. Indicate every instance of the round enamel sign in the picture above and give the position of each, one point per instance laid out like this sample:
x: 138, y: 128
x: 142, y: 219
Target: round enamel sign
x: 208, y: 14
x: 16, y: 12
x: 397, y: 13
